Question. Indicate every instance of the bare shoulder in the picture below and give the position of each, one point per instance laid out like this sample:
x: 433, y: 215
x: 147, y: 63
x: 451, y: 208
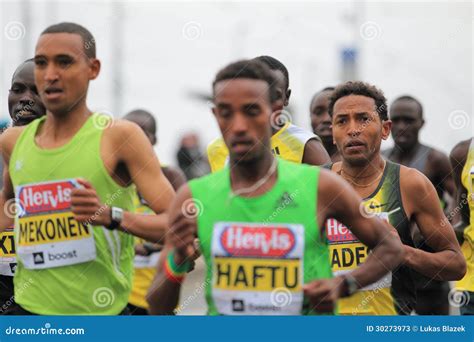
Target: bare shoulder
x: 314, y: 152
x: 412, y: 180
x: 459, y: 152
x: 438, y: 158
x: 9, y: 138
x: 175, y: 176
x: 120, y: 127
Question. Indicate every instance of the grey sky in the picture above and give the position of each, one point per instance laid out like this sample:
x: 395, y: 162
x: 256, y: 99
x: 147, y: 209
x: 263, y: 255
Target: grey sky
x: 173, y: 49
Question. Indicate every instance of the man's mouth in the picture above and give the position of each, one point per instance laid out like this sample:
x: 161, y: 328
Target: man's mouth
x: 354, y: 146
x: 53, y: 93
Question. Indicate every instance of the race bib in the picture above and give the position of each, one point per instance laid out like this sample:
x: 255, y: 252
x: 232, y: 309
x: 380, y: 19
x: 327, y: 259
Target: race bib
x: 257, y: 268
x: 7, y: 253
x: 347, y: 252
x: 146, y: 261
x: 47, y: 234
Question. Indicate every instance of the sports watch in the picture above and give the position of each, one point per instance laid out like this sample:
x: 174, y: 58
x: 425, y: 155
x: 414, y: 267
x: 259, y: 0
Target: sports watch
x: 116, y: 217
x: 351, y: 285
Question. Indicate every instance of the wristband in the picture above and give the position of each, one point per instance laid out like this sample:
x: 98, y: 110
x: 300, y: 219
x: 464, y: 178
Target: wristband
x: 173, y: 272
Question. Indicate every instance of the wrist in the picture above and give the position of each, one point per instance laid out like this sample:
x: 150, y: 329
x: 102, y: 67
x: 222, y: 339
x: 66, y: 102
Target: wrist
x: 175, y: 267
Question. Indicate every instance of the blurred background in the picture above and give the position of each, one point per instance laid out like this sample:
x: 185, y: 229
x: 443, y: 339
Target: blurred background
x: 163, y: 56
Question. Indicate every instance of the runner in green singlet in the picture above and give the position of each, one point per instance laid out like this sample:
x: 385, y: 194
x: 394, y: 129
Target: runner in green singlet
x: 259, y: 220
x: 70, y: 173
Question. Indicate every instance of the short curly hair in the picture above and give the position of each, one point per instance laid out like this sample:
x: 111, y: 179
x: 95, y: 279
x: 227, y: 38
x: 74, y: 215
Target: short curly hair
x: 364, y: 89
x: 252, y: 69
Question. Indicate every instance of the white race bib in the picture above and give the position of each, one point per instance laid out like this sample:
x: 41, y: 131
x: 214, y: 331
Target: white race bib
x: 47, y: 235
x: 7, y: 253
x: 257, y: 268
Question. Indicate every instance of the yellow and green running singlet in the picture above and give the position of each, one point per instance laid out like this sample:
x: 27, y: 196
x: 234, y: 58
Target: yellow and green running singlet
x: 395, y: 291
x: 288, y: 143
x: 467, y: 179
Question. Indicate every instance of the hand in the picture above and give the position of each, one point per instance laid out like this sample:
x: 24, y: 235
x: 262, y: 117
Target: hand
x: 86, y: 206
x: 324, y: 293
x: 182, y: 236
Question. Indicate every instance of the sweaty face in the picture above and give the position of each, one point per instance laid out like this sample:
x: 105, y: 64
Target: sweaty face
x: 63, y: 71
x: 357, y: 129
x: 407, y: 122
x: 243, y: 109
x: 320, y: 119
x: 24, y: 103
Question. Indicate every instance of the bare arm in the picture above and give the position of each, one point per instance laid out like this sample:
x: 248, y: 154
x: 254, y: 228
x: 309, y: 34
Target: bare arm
x: 315, y: 153
x: 460, y: 209
x: 145, y: 171
x: 422, y: 205
x: 444, y: 172
x: 7, y: 143
x: 336, y: 199
x: 345, y: 205
x: 163, y: 295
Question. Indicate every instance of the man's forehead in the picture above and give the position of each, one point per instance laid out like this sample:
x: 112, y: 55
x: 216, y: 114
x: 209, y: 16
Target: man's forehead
x: 241, y: 88
x: 356, y: 103
x: 53, y: 44
x: 24, y: 73
x: 408, y: 107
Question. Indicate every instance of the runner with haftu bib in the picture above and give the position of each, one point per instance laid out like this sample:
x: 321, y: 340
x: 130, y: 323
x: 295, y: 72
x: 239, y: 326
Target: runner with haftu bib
x: 288, y: 141
x: 258, y: 220
x: 71, y: 173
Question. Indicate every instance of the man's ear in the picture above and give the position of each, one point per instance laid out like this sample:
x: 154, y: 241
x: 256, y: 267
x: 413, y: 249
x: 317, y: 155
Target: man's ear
x: 386, y: 128
x: 94, y: 68
x: 288, y: 94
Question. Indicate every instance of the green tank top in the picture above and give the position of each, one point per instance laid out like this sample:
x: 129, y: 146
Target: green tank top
x: 260, y: 251
x: 66, y: 268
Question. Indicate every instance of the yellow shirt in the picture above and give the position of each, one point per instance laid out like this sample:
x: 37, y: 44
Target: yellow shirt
x: 288, y: 143
x: 467, y: 180
x: 145, y: 266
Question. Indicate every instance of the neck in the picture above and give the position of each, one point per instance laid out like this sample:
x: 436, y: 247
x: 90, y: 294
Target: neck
x: 245, y: 174
x: 330, y: 147
x: 64, y: 125
x: 369, y: 170
x: 406, y: 152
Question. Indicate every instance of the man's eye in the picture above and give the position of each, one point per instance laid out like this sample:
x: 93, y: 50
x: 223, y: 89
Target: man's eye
x: 40, y: 62
x: 16, y: 90
x: 64, y: 62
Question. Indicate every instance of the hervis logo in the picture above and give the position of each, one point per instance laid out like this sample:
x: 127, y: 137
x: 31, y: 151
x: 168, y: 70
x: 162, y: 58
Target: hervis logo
x: 46, y: 197
x: 266, y: 241
x: 338, y: 232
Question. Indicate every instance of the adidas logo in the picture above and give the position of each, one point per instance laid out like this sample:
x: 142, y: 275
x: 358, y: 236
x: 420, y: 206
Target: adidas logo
x: 38, y: 258
x: 286, y: 201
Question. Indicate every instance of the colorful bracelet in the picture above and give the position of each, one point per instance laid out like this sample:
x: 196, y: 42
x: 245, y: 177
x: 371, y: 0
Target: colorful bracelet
x: 173, y: 272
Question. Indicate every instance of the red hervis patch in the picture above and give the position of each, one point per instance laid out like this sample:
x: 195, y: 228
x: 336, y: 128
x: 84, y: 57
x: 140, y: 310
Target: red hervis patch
x: 46, y: 197
x: 337, y: 232
x: 258, y: 241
